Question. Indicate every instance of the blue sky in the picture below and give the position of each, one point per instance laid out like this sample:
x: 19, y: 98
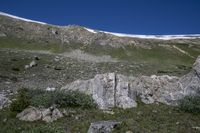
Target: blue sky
x: 124, y: 16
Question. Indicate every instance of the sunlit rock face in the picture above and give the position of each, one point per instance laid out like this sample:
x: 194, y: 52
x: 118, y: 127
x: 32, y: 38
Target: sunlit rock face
x: 114, y: 90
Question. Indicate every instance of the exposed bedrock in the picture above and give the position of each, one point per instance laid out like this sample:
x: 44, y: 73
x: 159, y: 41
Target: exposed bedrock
x: 116, y: 90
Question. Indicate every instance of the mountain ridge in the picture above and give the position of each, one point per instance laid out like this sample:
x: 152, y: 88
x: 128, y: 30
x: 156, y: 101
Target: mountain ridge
x: 161, y: 37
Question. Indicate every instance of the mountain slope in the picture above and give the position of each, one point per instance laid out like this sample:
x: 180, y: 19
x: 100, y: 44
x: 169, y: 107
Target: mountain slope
x: 127, y: 54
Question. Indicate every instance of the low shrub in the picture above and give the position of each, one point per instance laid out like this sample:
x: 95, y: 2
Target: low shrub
x: 43, y: 98
x: 22, y: 101
x: 190, y: 104
x: 74, y: 99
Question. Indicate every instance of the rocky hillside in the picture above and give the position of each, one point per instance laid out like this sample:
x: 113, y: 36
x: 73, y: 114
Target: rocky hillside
x: 50, y: 72
x: 46, y: 33
x: 68, y: 53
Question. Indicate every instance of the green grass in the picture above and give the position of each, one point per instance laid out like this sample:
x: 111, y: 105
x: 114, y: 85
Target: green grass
x: 150, y: 118
x: 190, y: 104
x: 42, y: 98
x: 145, y: 118
x: 14, y: 43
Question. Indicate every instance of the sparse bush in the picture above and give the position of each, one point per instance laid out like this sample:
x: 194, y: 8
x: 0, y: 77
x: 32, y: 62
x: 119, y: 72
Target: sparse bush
x: 43, y: 98
x: 190, y: 104
x: 74, y: 99
x: 22, y: 101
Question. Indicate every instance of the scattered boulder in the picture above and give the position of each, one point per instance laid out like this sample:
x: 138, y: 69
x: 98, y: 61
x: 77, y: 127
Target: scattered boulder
x: 51, y: 114
x: 30, y: 114
x: 2, y: 34
x: 128, y: 132
x: 57, y: 58
x: 34, y: 114
x: 32, y: 64
x: 102, y: 126
x: 26, y: 66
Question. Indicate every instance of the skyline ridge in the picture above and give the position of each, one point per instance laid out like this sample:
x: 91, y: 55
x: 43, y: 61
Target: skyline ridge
x: 145, y: 36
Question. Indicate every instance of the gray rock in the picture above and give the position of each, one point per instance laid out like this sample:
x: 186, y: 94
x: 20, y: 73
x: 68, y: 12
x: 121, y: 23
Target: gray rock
x: 26, y: 66
x: 156, y: 88
x: 190, y: 83
x: 30, y: 114
x: 2, y: 34
x: 101, y: 88
x: 115, y: 90
x: 50, y: 115
x: 102, y: 126
x: 33, y: 63
x: 4, y: 101
x: 128, y: 132
x: 124, y: 95
x: 105, y: 91
x: 34, y: 114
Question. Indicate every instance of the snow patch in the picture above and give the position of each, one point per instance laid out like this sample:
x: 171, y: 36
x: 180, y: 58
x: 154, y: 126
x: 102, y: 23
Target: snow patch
x: 90, y: 30
x: 27, y: 20
x: 161, y: 37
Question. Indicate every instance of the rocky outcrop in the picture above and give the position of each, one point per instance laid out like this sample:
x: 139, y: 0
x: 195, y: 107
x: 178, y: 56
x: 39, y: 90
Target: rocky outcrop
x: 108, y: 90
x: 115, y: 90
x: 165, y: 89
x: 34, y: 114
x: 190, y: 83
x: 102, y: 126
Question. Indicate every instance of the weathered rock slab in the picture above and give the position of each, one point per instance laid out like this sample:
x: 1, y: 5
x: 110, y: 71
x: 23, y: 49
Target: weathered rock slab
x: 30, y: 114
x: 115, y: 90
x: 34, y: 114
x: 102, y: 126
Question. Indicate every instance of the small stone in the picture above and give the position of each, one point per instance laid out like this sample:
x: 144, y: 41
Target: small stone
x: 26, y: 66
x: 155, y: 111
x: 50, y: 89
x: 76, y: 117
x: 129, y: 132
x: 33, y: 63
x: 108, y: 112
